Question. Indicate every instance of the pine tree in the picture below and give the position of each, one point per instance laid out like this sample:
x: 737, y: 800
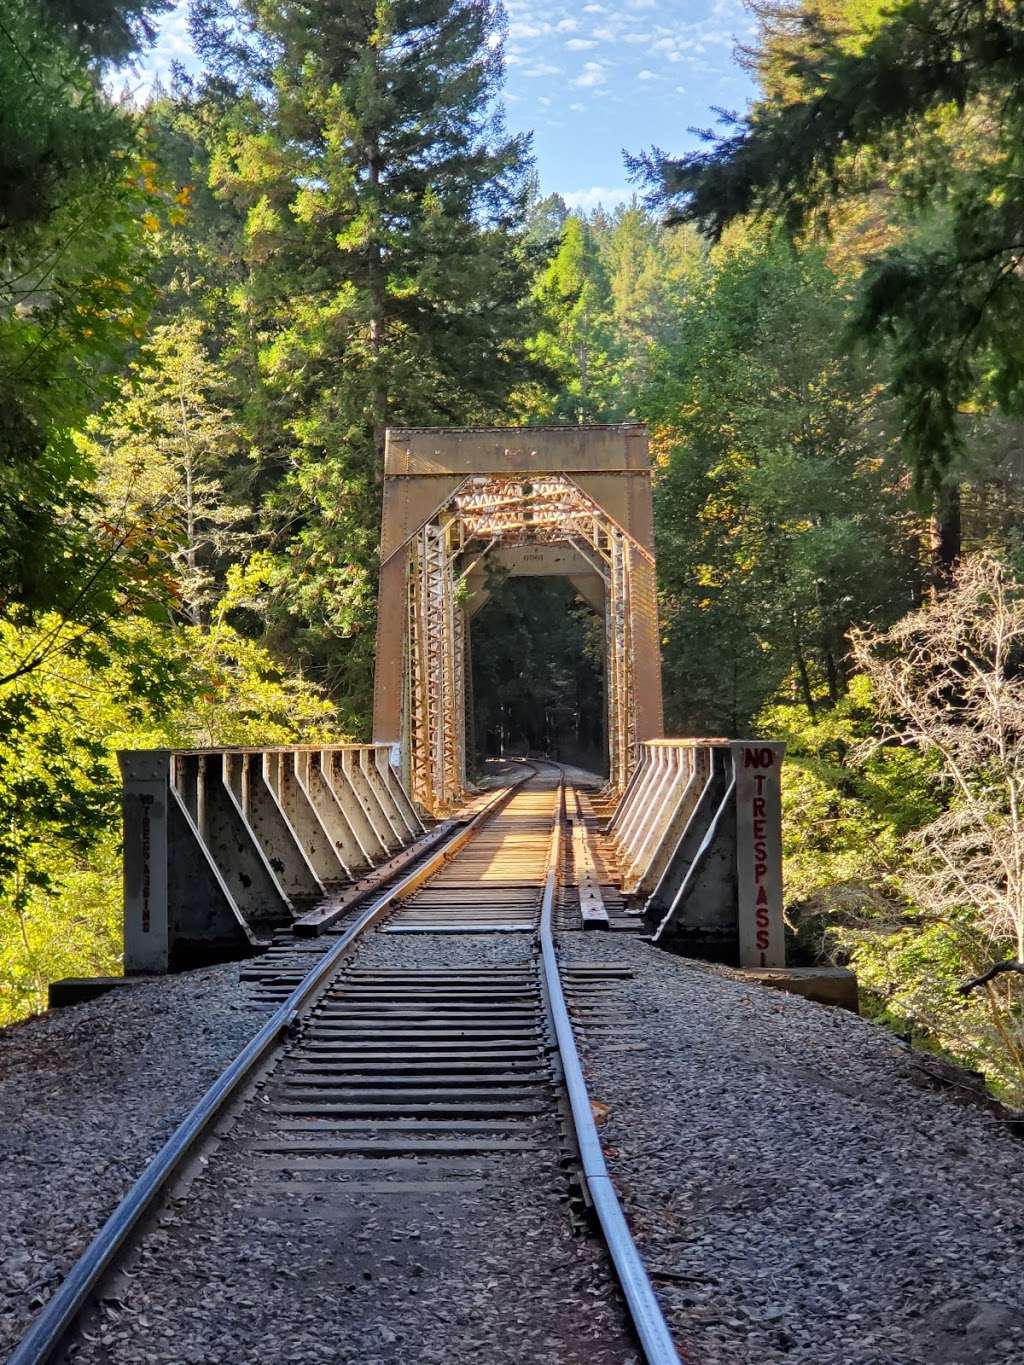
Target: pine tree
x: 386, y: 273
x: 649, y: 272
x: 576, y: 341
x: 160, y: 452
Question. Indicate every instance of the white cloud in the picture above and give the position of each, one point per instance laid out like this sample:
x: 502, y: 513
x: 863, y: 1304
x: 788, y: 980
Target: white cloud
x: 566, y: 26
x: 635, y: 37
x: 542, y: 69
x: 518, y: 30
x: 593, y: 74
x: 577, y: 108
x: 642, y: 4
x: 594, y: 9
x: 173, y: 43
x: 646, y: 75
x: 595, y: 195
x: 607, y: 35
x: 580, y: 44
x: 663, y: 45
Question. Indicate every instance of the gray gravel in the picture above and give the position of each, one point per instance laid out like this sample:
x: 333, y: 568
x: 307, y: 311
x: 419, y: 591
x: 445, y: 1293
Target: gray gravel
x: 797, y: 1197
x: 87, y: 1095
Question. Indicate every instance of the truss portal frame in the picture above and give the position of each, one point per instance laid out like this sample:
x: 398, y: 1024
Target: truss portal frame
x: 482, y: 510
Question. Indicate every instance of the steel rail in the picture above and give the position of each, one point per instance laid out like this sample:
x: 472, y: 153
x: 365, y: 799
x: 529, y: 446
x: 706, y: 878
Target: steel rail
x: 644, y: 1308
x: 48, y: 1330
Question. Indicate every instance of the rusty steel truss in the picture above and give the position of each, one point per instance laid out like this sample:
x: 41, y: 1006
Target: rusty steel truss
x: 573, y: 502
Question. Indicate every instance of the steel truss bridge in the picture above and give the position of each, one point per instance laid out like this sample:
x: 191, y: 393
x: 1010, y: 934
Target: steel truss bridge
x: 565, y: 502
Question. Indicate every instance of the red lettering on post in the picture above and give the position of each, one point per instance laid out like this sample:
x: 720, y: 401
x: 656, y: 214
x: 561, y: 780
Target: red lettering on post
x: 146, y: 801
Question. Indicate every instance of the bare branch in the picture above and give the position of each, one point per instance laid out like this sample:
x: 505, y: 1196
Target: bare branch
x: 997, y: 969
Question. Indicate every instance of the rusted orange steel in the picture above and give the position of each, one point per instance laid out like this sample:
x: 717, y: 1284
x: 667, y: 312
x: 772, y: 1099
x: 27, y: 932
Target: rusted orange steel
x: 572, y: 502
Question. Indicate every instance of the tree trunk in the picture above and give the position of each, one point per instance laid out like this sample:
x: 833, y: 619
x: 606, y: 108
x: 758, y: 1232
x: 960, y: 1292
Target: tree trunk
x: 378, y: 317
x: 946, y: 533
x: 801, y: 668
x: 833, y: 676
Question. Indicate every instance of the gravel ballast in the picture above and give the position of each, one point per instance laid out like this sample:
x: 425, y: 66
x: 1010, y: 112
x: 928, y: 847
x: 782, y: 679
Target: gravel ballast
x: 797, y: 1197
x: 87, y: 1096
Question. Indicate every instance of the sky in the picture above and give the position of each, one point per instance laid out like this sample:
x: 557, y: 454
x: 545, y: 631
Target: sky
x: 592, y: 79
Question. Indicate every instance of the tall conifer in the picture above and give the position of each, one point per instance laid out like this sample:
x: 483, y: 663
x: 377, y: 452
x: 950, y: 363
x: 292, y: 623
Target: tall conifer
x: 387, y: 272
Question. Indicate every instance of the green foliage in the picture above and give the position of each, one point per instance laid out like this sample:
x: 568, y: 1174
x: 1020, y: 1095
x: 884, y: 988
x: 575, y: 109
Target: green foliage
x: 611, y: 293
x: 578, y: 342
x: 160, y: 452
x: 75, y: 201
x: 779, y: 521
x: 851, y: 810
x: 930, y: 94
x: 378, y: 273
x: 105, y: 30
x: 149, y: 686
x: 845, y: 820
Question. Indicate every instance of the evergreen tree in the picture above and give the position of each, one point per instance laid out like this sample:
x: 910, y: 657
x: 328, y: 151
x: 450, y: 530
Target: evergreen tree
x: 385, y: 273
x: 160, y: 452
x: 650, y: 270
x: 546, y: 220
x: 779, y: 518
x: 576, y: 341
x: 863, y: 91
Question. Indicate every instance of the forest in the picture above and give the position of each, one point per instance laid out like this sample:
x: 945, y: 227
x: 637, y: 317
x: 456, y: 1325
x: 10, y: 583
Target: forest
x: 214, y: 302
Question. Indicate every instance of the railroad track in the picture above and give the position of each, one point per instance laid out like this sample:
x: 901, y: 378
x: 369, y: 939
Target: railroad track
x: 410, y: 1124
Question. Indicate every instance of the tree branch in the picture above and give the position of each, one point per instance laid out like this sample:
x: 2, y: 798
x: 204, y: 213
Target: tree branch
x: 996, y: 970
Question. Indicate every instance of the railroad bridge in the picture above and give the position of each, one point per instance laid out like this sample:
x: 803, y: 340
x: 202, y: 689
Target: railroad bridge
x: 224, y: 847
x: 569, y: 502
x: 416, y: 957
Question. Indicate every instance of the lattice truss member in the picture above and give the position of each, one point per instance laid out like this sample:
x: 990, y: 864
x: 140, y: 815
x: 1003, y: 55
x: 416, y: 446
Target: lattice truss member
x: 488, y: 511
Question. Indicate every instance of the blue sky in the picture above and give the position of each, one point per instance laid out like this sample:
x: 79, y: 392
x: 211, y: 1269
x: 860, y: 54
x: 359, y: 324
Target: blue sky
x: 591, y: 77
